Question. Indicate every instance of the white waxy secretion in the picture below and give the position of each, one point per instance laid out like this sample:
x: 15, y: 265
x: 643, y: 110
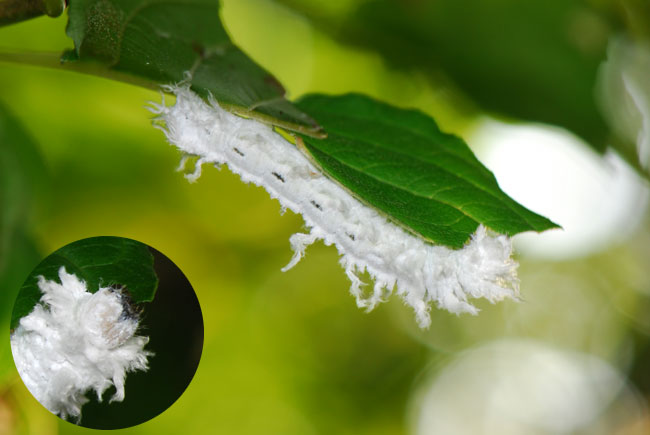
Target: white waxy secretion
x: 420, y: 272
x: 75, y: 341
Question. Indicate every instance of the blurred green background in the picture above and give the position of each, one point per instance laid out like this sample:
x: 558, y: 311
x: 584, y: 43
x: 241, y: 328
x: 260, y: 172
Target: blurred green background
x: 289, y: 353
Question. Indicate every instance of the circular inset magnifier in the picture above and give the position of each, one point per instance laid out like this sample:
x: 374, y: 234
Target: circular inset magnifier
x: 106, y: 332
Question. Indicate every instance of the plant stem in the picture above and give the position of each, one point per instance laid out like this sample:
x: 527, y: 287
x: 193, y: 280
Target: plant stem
x: 13, y: 11
x: 53, y: 60
x: 97, y: 69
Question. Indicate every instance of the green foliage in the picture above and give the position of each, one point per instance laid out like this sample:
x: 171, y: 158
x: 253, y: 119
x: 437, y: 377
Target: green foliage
x: 100, y: 262
x: 21, y: 177
x: 288, y: 357
x: 534, y: 60
x: 159, y: 41
x: 21, y: 174
x: 395, y: 160
x: 512, y: 57
x: 401, y: 163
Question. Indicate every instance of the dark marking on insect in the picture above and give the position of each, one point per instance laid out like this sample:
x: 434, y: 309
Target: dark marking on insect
x: 130, y: 309
x: 278, y: 176
x: 351, y: 236
x: 317, y: 205
x: 238, y: 152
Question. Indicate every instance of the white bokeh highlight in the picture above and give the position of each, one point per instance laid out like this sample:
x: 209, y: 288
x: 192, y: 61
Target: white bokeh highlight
x: 598, y: 200
x: 514, y: 387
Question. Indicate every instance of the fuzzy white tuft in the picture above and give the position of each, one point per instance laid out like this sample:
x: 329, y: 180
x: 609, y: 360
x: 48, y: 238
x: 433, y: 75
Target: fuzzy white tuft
x: 75, y: 341
x: 420, y: 272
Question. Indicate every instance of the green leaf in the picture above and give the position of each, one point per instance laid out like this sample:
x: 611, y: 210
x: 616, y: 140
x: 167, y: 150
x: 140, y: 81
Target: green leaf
x: 399, y: 162
x: 161, y: 40
x: 100, y: 262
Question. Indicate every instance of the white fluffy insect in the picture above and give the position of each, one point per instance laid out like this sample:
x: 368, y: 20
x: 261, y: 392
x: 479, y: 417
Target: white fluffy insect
x: 421, y: 273
x: 75, y: 341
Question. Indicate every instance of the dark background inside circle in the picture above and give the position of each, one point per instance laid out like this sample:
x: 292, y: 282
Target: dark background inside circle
x: 174, y: 324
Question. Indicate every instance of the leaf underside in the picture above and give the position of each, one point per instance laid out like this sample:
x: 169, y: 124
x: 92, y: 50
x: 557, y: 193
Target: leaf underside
x: 160, y: 40
x: 100, y: 262
x: 399, y: 162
